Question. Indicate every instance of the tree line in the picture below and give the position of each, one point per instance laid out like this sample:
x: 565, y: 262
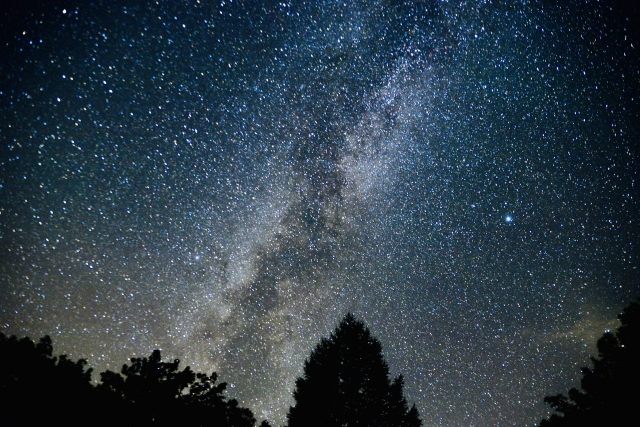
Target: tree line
x: 37, y: 388
x: 345, y: 382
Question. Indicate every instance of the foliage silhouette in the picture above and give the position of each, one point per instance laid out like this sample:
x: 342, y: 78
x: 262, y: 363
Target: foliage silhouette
x: 346, y: 382
x: 151, y: 392
x: 36, y: 388
x: 609, y: 391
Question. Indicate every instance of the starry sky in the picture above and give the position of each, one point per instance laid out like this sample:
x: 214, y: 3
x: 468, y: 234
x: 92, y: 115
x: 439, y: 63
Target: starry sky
x: 225, y: 180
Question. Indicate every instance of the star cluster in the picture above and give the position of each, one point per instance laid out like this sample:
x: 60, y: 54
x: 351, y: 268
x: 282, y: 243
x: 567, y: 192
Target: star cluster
x: 225, y: 180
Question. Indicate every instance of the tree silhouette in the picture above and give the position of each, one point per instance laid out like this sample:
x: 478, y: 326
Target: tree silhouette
x: 150, y: 392
x: 610, y: 390
x: 346, y: 382
x: 37, y: 388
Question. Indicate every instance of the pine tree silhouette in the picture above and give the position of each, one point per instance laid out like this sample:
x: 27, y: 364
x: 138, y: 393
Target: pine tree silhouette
x: 610, y: 389
x: 346, y: 382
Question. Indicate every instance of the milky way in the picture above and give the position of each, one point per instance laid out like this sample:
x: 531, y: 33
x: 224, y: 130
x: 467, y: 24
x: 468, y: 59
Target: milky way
x: 224, y: 181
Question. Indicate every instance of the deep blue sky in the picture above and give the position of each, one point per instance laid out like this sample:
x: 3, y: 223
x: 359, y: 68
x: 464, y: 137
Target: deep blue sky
x: 225, y: 180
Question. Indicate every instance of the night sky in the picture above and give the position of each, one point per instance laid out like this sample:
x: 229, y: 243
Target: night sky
x: 225, y: 180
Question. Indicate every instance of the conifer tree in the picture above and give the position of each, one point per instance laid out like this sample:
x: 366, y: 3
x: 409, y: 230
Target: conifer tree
x: 346, y: 382
x: 609, y: 391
